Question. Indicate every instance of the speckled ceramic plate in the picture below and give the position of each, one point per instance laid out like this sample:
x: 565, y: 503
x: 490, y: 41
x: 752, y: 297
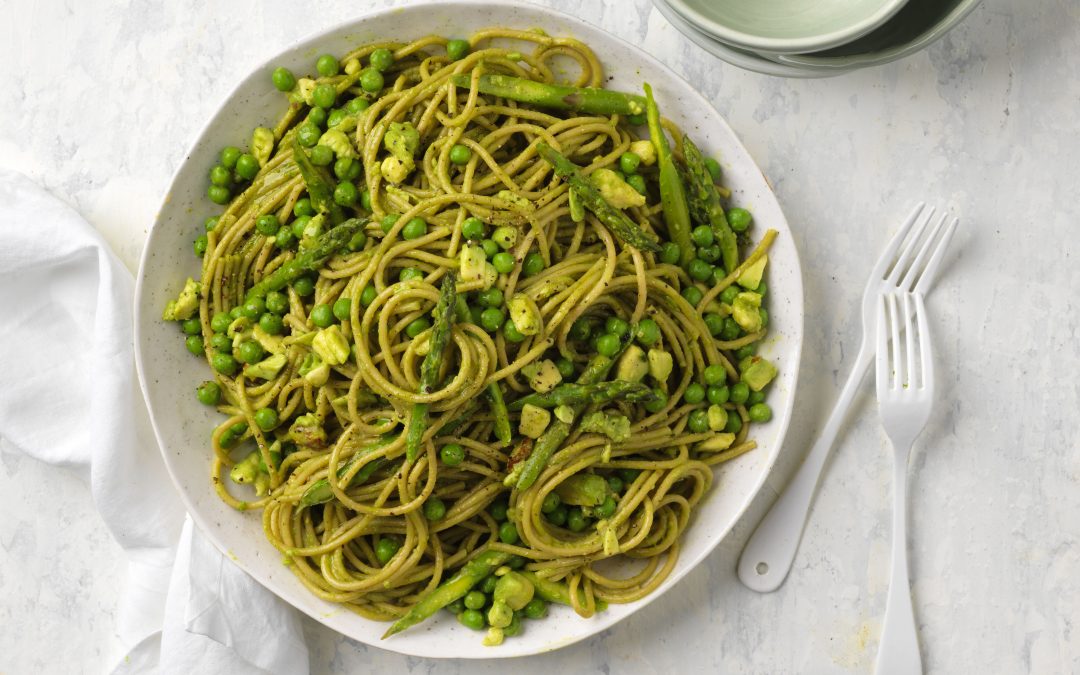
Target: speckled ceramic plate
x: 169, y: 375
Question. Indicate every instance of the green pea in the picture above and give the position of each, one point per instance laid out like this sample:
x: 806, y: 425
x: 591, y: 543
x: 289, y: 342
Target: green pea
x: 637, y: 181
x: 388, y: 221
x: 386, y: 548
x: 414, y: 229
x: 616, y: 326
x: 324, y: 96
x: 698, y: 421
x: 740, y: 392
x: 223, y: 363
x: 327, y: 65
x: 565, y: 366
x: 322, y: 315
x: 472, y: 229
x: 692, y: 294
x: 498, y: 510
x: 487, y: 586
x: 219, y: 175
x: 365, y: 200
x: 368, y: 295
x: 304, y: 286
x: 410, y: 274
x: 558, y: 516
x: 475, y: 600
x: 715, y: 374
x: 533, y: 265
x: 615, y: 484
x: 727, y: 296
x: 343, y: 168
x: 208, y: 393
x: 491, y: 249
x: 249, y: 351
x: 218, y: 194
x: 277, y: 302
x: 417, y: 326
x: 734, y: 423
x: 536, y: 609
x: 699, y: 270
x: 718, y: 275
x: 283, y: 79
x: 357, y: 105
x: 669, y: 253
x: 191, y: 326
x: 253, y: 308
x: 755, y: 397
x: 435, y: 509
x: 236, y: 312
x: 271, y: 324
x: 647, y: 332
x: 503, y: 261
x: 695, y: 393
x: 629, y: 475
x: 346, y: 194
x: 581, y: 329
x: 321, y: 155
x: 638, y: 120
x: 709, y: 254
x: 222, y: 343
x: 739, y: 219
x: 461, y: 309
x: 460, y: 154
x: 511, y: 333
x: 303, y: 207
x: 229, y: 155
x: 713, y: 168
x: 761, y: 289
x: 308, y: 134
x: 714, y: 322
x: 232, y: 434
x: 491, y: 319
x: 764, y: 316
x: 457, y: 49
x: 607, y: 509
x: 371, y: 80
x: 575, y: 520
x: 266, y: 418
x: 381, y: 59
x: 299, y: 225
x: 718, y: 394
x: 491, y: 297
x: 731, y: 329
x: 342, y: 308
x: 452, y: 454
x: 658, y: 403
x: 608, y: 345
x: 629, y: 162
x: 551, y: 502
x: 472, y: 618
x: 194, y: 344
x: 317, y: 116
x: 247, y: 166
x: 268, y: 224
x: 745, y: 351
x: 357, y: 241
x: 210, y: 223
x: 702, y: 235
x: 200, y: 244
x: 284, y: 238
x: 456, y: 607
x: 336, y: 117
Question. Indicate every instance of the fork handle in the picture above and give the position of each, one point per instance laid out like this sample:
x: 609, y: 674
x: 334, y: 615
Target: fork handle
x: 898, y: 653
x: 768, y: 555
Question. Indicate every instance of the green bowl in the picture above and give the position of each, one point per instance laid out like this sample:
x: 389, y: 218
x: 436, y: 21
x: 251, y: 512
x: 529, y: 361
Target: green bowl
x: 915, y: 27
x: 787, y: 26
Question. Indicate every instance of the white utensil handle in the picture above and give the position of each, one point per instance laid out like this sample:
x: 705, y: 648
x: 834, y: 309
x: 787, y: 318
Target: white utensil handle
x: 768, y: 555
x: 898, y: 653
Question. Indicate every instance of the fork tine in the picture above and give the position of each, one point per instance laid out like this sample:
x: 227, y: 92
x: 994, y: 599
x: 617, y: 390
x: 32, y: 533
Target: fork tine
x: 894, y: 330
x: 926, y: 357
x: 889, y: 255
x: 929, y: 245
x: 882, y: 373
x: 909, y: 342
x: 932, y: 266
x: 912, y: 245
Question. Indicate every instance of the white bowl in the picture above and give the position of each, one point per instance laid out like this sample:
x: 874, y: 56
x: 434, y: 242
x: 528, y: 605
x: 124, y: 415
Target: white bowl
x: 169, y: 375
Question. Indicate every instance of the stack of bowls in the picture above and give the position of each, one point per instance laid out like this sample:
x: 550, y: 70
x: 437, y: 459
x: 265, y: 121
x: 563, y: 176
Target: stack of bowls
x: 813, y: 38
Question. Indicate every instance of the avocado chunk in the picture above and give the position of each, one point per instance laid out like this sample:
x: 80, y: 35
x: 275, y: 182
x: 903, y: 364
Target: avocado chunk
x: 402, y: 140
x: 267, y: 369
x: 718, y: 442
x: 645, y: 150
x: 543, y: 376
x: 185, y: 304
x: 759, y: 373
x: 750, y: 279
x: 745, y: 311
x: 633, y: 365
x: 615, y: 190
x: 524, y: 314
x: 615, y: 427
x: 660, y: 364
x: 534, y: 420
x: 583, y: 489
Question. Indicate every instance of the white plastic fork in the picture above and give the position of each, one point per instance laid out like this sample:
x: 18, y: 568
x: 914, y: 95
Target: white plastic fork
x: 905, y: 392
x: 910, y: 263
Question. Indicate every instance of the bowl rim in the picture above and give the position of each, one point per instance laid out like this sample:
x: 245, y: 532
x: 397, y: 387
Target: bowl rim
x: 810, y: 43
x: 782, y: 413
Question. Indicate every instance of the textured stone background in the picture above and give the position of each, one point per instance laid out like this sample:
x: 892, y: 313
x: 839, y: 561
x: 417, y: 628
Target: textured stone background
x: 100, y: 98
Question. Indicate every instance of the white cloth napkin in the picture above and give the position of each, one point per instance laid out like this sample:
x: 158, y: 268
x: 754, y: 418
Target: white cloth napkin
x: 70, y: 398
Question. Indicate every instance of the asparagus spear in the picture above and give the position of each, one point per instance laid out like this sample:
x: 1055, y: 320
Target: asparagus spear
x: 554, y: 591
x: 318, y: 184
x: 591, y: 100
x: 310, y: 259
x: 472, y: 573
x: 503, y: 431
x: 575, y: 394
x: 672, y: 193
x: 704, y: 200
x: 320, y: 492
x: 617, y: 221
x: 429, y: 369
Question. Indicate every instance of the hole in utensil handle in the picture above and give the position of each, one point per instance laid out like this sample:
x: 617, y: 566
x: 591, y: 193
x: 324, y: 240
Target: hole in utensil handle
x: 762, y: 568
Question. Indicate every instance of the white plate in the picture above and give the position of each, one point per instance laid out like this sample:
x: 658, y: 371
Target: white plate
x: 169, y: 375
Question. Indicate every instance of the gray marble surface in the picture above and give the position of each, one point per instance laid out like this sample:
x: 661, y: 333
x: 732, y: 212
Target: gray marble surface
x: 100, y: 98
